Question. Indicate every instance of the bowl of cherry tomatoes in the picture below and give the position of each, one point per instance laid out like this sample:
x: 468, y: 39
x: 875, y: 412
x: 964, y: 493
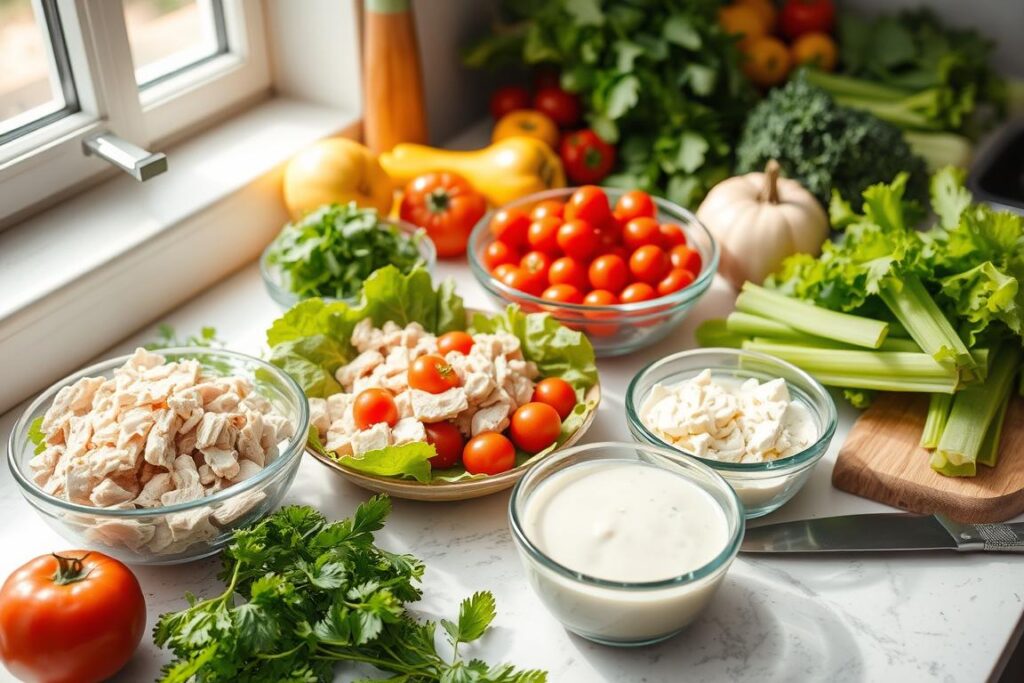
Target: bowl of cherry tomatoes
x: 621, y: 266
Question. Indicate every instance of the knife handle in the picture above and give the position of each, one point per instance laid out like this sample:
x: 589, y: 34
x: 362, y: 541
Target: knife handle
x: 1000, y: 538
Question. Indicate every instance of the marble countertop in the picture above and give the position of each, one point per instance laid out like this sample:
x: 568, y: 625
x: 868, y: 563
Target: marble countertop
x: 871, y: 617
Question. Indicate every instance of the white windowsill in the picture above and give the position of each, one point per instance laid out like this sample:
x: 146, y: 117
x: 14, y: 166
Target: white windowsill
x: 64, y: 272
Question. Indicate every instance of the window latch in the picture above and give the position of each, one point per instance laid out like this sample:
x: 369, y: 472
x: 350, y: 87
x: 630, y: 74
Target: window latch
x: 139, y: 163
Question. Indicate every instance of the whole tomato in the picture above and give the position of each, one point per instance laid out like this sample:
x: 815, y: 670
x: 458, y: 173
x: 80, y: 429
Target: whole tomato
x: 587, y: 158
x: 563, y: 107
x: 806, y: 16
x: 446, y: 206
x: 75, y: 617
x: 509, y: 99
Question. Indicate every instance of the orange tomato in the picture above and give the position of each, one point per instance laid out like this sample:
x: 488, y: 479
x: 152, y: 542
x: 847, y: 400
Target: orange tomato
x: 527, y: 122
x: 372, y: 406
x: 535, y: 426
x: 557, y: 393
x: 432, y: 374
x: 743, y: 21
x: 766, y: 61
x: 488, y: 453
x: 457, y: 341
x: 765, y: 10
x: 815, y: 49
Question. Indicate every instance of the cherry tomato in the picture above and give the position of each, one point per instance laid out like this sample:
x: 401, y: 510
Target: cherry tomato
x: 649, y: 264
x: 548, y: 207
x: 542, y: 234
x: 488, y: 453
x: 372, y: 406
x: 806, y: 16
x: 577, y: 238
x: 589, y: 203
x: 510, y: 226
x: 568, y: 271
x: 557, y: 393
x: 524, y: 281
x: 447, y: 441
x: 536, y: 263
x: 600, y: 297
x: 498, y: 253
x: 686, y: 258
x: 638, y: 291
x: 671, y: 235
x: 563, y: 107
x: 565, y: 294
x: 446, y: 206
x: 457, y: 341
x: 74, y: 616
x: 509, y: 99
x: 634, y: 204
x: 586, y: 157
x: 545, y: 76
x: 676, y: 279
x: 639, y: 232
x: 500, y: 271
x: 608, y: 272
x: 432, y: 374
x: 535, y: 426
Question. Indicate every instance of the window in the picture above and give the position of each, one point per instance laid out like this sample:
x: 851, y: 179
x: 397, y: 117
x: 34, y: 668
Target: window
x: 147, y: 71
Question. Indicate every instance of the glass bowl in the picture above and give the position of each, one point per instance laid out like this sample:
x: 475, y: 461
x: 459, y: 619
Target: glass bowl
x: 621, y: 328
x: 137, y: 536
x: 273, y: 280
x: 762, y: 486
x: 614, y: 612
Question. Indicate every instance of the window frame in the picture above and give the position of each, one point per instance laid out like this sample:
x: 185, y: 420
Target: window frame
x: 47, y: 163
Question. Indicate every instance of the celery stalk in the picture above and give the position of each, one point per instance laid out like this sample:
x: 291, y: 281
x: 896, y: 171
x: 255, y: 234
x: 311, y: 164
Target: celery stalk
x: 989, y: 453
x: 938, y: 413
x: 751, y: 325
x: 910, y: 302
x: 894, y: 364
x: 807, y: 340
x: 713, y: 332
x: 885, y: 382
x: 812, y: 319
x: 973, y: 410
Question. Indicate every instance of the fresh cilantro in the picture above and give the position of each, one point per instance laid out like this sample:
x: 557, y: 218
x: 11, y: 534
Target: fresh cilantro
x: 304, y: 594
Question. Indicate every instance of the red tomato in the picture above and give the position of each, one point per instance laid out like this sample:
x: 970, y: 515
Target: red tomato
x: 807, y: 16
x: 457, y: 341
x: 638, y: 291
x: 519, y: 278
x: 500, y: 271
x: 676, y: 279
x: 446, y: 206
x: 641, y: 231
x: 671, y: 235
x: 568, y: 271
x: 578, y: 239
x: 563, y: 107
x: 564, y: 294
x: 600, y: 297
x: 634, y: 204
x: 447, y: 441
x: 545, y: 76
x: 509, y: 99
x: 589, y: 203
x: 510, y: 226
x: 542, y: 234
x: 548, y: 207
x: 586, y: 157
x: 372, y: 406
x: 536, y: 263
x: 432, y: 374
x: 686, y: 258
x: 557, y: 393
x: 608, y: 272
x: 498, y: 253
x: 75, y: 617
x: 488, y: 453
x: 535, y: 426
x: 649, y: 264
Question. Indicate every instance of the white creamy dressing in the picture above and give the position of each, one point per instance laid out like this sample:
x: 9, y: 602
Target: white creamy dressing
x: 728, y: 419
x: 622, y: 520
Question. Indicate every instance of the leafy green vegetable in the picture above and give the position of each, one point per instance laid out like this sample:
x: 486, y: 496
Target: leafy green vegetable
x: 658, y: 77
x: 167, y: 338
x: 331, y: 251
x: 827, y: 147
x: 407, y: 460
x: 304, y: 594
x: 36, y: 435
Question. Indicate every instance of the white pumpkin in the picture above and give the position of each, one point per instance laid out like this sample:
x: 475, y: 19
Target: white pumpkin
x: 759, y: 219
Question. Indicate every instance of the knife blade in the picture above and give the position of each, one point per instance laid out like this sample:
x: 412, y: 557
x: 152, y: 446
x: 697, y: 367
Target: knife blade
x: 893, y: 531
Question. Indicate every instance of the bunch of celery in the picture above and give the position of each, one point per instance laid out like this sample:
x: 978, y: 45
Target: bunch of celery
x: 888, y: 308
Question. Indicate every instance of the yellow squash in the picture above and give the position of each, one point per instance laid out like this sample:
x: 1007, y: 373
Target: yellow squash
x: 507, y: 170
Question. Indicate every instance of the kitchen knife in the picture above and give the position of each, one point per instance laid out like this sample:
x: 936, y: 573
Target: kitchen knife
x: 882, y: 532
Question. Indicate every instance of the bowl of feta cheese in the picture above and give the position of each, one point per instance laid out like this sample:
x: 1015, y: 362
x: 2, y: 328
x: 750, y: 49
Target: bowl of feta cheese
x: 760, y: 422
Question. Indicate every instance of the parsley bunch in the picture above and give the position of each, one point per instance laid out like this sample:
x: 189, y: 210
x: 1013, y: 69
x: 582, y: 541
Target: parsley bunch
x: 304, y: 594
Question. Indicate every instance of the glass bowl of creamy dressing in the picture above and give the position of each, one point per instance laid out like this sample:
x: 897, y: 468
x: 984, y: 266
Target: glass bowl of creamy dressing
x: 624, y: 543
x: 760, y: 422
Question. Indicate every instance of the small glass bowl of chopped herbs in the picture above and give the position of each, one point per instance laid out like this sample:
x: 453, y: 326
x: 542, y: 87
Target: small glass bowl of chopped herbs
x: 330, y: 252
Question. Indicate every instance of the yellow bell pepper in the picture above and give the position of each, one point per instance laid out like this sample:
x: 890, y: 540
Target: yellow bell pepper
x: 507, y: 170
x: 528, y: 122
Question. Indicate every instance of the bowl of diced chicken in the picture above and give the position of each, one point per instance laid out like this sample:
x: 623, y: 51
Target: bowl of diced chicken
x: 155, y: 458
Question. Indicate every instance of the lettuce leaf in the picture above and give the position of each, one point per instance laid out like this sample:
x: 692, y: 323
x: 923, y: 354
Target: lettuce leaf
x: 981, y: 296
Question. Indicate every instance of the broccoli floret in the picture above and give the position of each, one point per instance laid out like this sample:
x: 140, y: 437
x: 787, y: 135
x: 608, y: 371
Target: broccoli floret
x: 826, y: 146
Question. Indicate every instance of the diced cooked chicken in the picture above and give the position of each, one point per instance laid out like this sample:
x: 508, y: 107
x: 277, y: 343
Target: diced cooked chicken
x: 376, y: 437
x: 318, y: 415
x: 160, y: 446
x: 408, y: 430
x: 109, y: 493
x: 222, y: 461
x: 339, y: 438
x: 403, y: 403
x: 234, y: 508
x: 127, y: 533
x: 478, y: 386
x: 225, y: 403
x: 72, y: 400
x: 156, y: 487
x: 362, y: 365
x: 438, y: 407
x: 249, y: 437
x: 337, y: 405
x: 43, y: 464
x: 209, y: 429
x: 493, y: 418
x: 246, y: 469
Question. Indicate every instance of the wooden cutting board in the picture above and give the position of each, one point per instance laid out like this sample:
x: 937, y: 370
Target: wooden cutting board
x: 881, y: 460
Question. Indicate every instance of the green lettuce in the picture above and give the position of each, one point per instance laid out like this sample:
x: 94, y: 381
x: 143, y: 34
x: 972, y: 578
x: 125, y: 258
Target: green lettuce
x: 408, y: 460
